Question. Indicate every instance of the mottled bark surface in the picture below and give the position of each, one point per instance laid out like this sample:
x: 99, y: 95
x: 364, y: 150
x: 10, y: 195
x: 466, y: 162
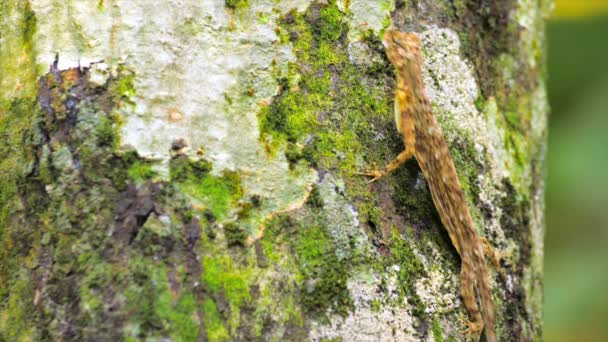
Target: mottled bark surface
x: 188, y: 170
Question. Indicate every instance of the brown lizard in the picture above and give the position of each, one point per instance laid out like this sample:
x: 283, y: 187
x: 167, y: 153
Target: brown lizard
x: 423, y: 139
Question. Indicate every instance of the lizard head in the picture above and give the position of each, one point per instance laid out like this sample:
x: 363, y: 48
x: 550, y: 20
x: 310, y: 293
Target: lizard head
x: 402, y: 47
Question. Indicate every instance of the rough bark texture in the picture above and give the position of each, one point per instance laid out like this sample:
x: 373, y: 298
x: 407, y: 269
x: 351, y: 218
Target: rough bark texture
x: 187, y: 169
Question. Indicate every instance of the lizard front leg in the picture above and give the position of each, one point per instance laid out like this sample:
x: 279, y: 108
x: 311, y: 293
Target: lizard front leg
x: 391, y: 166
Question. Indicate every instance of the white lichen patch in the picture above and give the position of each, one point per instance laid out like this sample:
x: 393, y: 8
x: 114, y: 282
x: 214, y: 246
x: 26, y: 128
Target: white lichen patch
x: 99, y: 73
x: 366, y: 15
x: 439, y: 289
x: 449, y: 80
x: 530, y: 16
x: 342, y: 219
x: 374, y: 317
x: 539, y: 115
x: 496, y: 133
x: 202, y: 73
x: 359, y: 53
x: 382, y: 314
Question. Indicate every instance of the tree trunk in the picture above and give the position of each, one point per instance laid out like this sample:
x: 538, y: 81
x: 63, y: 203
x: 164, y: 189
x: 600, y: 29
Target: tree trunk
x: 187, y: 170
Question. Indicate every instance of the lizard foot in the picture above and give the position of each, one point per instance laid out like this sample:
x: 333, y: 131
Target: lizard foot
x: 496, y: 255
x: 491, y: 252
x: 375, y: 174
x: 473, y: 329
x: 390, y: 167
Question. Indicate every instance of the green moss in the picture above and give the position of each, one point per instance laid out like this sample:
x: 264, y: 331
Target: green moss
x: 155, y: 308
x: 437, y: 333
x: 263, y: 18
x: 228, y: 282
x: 105, y: 131
x: 329, y: 26
x: 410, y: 270
x: 325, y: 108
x: 289, y: 118
x: 293, y: 153
x: 269, y: 244
x: 182, y: 315
x: 314, y: 199
x: 16, y: 123
x: 29, y: 25
x: 468, y: 169
x: 235, y: 234
x: 124, y: 86
x: 514, y: 122
x: 183, y: 169
x: 220, y: 273
x: 99, y: 275
x: 64, y: 200
x: 213, y: 270
x: 17, y: 57
x: 17, y: 127
x: 325, y: 54
x: 306, y: 254
x: 323, y: 276
x: 327, y: 105
x: 375, y: 306
x: 140, y: 171
x: 312, y: 247
x: 219, y: 194
x: 19, y: 311
x: 71, y: 219
x: 213, y: 322
x: 234, y: 4
x: 191, y: 27
x: 18, y: 110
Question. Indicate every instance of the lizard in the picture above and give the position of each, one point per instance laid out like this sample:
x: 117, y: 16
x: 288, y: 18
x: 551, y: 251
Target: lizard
x: 424, y: 141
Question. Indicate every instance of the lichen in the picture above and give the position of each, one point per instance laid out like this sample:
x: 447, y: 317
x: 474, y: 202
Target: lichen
x: 215, y: 219
x: 366, y: 15
x: 165, y: 102
x: 377, y: 314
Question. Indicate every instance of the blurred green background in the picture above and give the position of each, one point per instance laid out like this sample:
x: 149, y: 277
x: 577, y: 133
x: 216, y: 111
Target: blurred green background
x: 576, y: 259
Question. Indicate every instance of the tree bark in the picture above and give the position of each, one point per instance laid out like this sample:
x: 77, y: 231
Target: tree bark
x: 187, y: 170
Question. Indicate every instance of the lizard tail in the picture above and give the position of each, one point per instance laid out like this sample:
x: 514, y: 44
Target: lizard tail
x: 485, y: 294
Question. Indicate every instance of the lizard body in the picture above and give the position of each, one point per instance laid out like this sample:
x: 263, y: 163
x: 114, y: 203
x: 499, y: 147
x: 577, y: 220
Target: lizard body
x: 423, y: 139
